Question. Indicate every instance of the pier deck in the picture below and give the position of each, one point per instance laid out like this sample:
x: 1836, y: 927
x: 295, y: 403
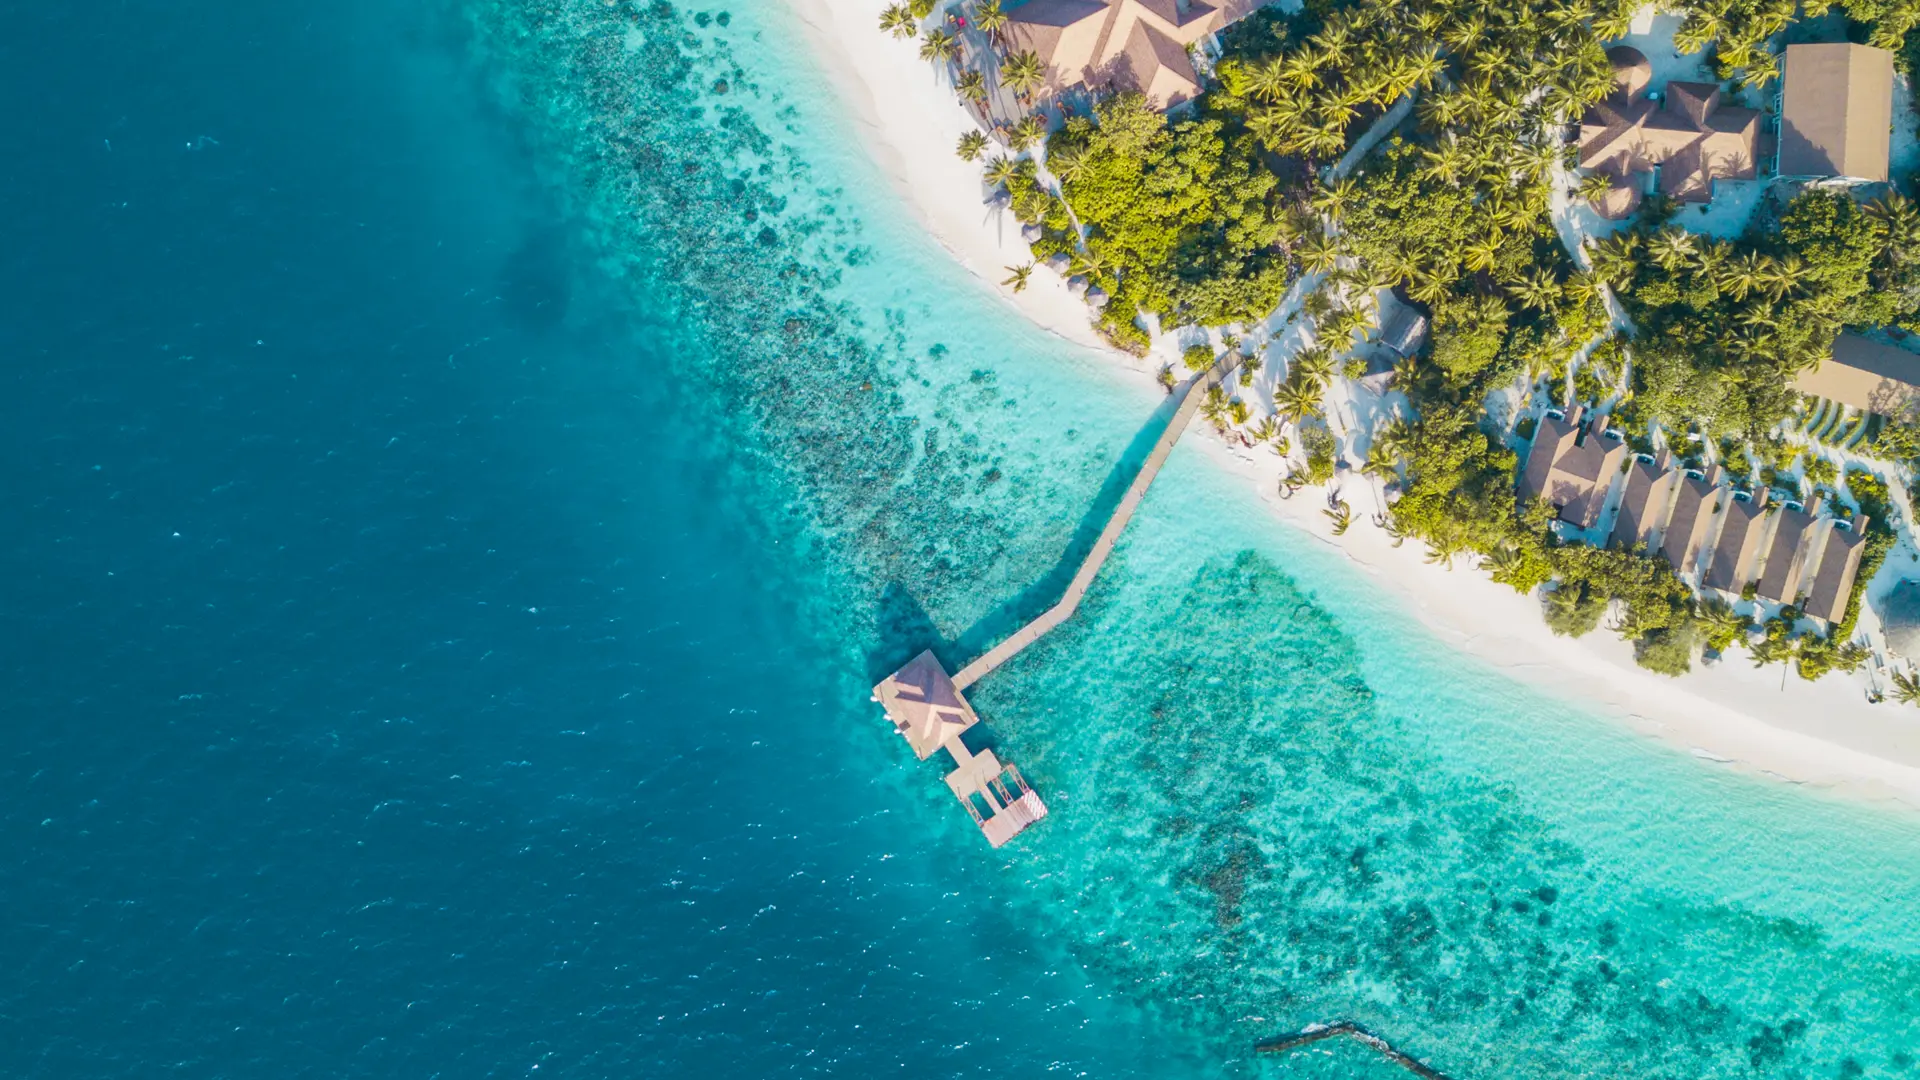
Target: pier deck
x: 925, y: 704
x: 1192, y: 395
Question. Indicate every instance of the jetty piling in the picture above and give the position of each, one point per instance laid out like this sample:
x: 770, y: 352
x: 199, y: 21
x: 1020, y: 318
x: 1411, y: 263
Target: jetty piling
x: 926, y: 705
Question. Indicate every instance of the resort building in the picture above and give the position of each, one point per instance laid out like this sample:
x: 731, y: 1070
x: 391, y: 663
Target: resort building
x: 1836, y: 112
x: 1739, y: 545
x: 1788, y: 557
x: 1127, y: 44
x: 1572, y: 467
x: 1687, y: 144
x: 1839, y: 564
x: 1867, y: 375
x: 927, y: 710
x: 1693, y: 516
x: 1643, y: 506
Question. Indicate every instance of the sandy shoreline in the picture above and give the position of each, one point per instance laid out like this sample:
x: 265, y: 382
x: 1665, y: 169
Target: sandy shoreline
x: 1824, y: 734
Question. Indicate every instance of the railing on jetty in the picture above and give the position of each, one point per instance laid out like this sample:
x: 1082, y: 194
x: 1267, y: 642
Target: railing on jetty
x: 1192, y: 395
x: 1359, y: 1034
x: 926, y: 706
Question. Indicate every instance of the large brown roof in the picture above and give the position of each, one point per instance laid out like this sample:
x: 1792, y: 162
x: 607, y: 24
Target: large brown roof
x: 1833, y: 584
x: 1786, y: 558
x: 1836, y: 111
x: 1733, y: 553
x: 1572, y: 469
x: 1866, y: 374
x: 1687, y: 531
x: 1139, y: 44
x: 1694, y: 141
x: 1643, y: 506
x: 924, y: 705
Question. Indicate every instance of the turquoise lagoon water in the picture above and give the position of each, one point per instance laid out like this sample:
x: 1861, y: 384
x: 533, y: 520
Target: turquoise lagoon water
x: 476, y: 458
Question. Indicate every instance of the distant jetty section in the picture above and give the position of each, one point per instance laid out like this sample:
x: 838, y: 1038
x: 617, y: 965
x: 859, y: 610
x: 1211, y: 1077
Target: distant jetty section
x: 1358, y: 1034
x: 926, y: 705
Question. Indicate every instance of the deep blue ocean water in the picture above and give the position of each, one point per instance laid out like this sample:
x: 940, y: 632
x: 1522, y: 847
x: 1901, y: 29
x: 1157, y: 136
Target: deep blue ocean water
x: 466, y: 464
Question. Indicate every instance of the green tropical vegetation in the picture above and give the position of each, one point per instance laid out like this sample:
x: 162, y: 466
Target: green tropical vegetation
x: 1206, y: 216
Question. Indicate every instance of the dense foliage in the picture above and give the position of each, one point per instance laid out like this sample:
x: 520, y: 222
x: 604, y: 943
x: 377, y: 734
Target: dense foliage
x: 1723, y: 327
x: 1181, y: 218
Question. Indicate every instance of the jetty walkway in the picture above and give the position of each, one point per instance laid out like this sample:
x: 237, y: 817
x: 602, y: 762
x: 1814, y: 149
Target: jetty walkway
x: 925, y: 704
x: 1193, y: 394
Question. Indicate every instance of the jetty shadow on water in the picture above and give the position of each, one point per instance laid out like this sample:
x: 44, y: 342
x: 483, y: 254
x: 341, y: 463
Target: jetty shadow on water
x: 902, y: 629
x: 1035, y: 599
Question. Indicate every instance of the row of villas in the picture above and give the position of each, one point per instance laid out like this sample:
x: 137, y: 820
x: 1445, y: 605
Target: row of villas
x: 1715, y: 535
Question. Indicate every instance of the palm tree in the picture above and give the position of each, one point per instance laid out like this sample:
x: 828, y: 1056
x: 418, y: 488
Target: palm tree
x: 1341, y: 515
x: 1333, y: 201
x: 1617, y: 23
x: 1023, y: 73
x: 1744, y: 274
x: 990, y: 19
x: 1089, y: 264
x: 1311, y: 367
x: 1672, y: 248
x: 1613, y: 258
x: 1294, y: 402
x: 1031, y: 129
x: 899, y: 22
x: 1593, y: 187
x: 939, y: 47
x: 1001, y: 171
x: 1017, y: 276
x: 971, y: 145
x: 972, y: 85
x: 1504, y: 561
x: 1317, y: 253
x: 1906, y: 688
x: 1897, y: 214
x: 920, y: 8
x: 1538, y: 291
x: 1481, y: 252
x: 1265, y: 431
x: 1392, y: 442
x: 1429, y: 286
x: 1701, y: 27
x: 1585, y: 288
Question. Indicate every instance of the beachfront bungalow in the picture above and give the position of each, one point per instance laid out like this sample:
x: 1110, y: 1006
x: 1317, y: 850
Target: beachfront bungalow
x: 1868, y: 375
x: 1572, y: 466
x: 1689, y: 143
x: 1643, y: 505
x: 1789, y: 557
x: 1836, y: 112
x: 1739, y: 545
x: 1693, y: 506
x: 1125, y: 44
x: 1839, y: 565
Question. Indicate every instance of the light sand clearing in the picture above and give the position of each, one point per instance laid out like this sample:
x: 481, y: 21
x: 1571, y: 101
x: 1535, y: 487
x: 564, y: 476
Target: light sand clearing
x: 1823, y: 733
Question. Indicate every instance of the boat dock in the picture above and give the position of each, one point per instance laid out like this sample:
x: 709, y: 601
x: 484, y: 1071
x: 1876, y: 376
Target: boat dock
x: 926, y: 705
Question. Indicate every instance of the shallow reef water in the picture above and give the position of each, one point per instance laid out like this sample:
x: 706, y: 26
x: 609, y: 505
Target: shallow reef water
x: 1264, y: 815
x: 478, y: 456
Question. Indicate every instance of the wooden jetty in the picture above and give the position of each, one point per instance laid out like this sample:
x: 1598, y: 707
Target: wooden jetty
x: 925, y: 704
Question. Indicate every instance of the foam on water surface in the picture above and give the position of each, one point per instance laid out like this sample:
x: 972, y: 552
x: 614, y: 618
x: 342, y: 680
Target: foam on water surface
x: 1275, y: 803
x: 506, y: 705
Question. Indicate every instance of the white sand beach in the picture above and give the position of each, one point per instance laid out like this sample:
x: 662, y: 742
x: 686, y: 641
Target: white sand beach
x: 1824, y: 734
x: 911, y: 121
